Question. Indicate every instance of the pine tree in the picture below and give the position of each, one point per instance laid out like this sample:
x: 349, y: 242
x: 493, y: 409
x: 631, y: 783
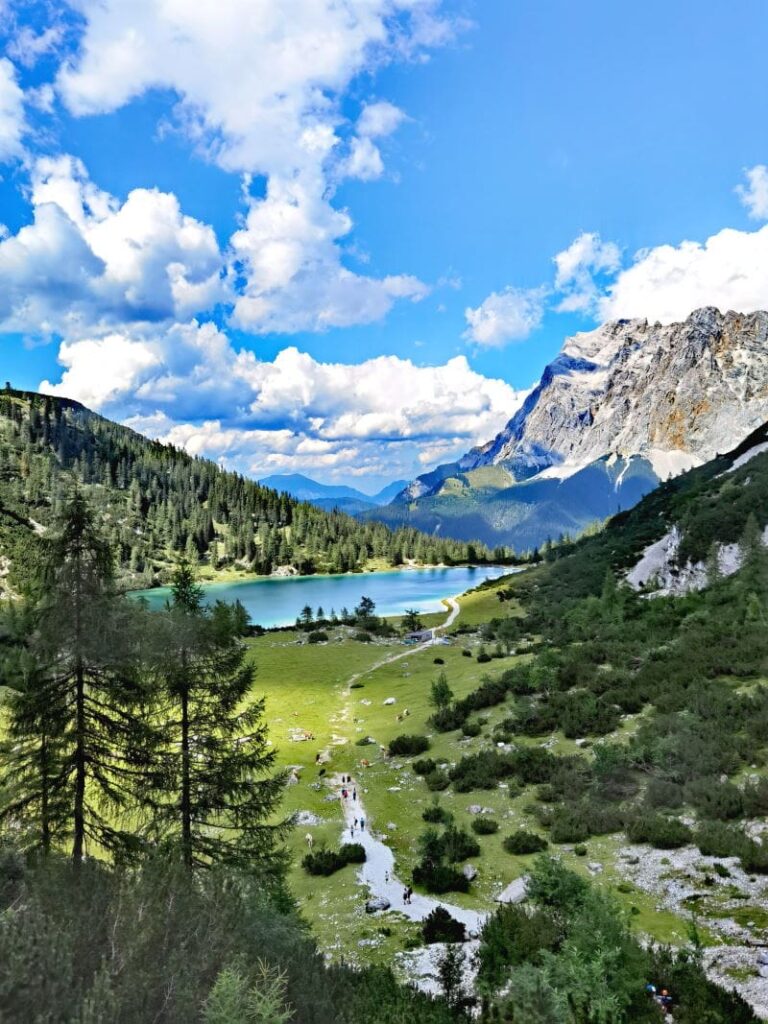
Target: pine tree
x: 217, y: 790
x: 80, y: 748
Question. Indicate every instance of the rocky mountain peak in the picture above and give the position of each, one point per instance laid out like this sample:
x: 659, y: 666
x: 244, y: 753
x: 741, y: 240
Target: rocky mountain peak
x: 674, y: 394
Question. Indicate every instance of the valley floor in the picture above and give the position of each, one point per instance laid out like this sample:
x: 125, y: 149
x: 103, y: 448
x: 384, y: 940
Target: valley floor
x: 333, y: 709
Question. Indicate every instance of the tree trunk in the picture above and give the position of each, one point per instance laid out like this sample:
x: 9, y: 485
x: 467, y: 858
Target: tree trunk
x: 79, y: 839
x: 186, y: 796
x: 45, y: 825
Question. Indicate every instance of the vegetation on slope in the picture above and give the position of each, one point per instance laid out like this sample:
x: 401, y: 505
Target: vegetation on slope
x: 157, y: 503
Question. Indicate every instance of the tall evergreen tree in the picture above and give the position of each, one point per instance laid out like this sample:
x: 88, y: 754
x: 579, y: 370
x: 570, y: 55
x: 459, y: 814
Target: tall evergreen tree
x: 218, y: 789
x: 78, y: 746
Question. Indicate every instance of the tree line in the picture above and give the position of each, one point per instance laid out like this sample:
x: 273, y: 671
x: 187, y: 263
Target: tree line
x: 157, y: 503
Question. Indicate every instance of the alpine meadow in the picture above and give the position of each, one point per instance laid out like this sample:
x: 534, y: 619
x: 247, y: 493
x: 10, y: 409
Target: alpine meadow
x: 383, y: 512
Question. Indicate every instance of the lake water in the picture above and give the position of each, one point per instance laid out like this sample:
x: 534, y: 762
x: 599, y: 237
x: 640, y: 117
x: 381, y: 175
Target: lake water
x: 276, y: 601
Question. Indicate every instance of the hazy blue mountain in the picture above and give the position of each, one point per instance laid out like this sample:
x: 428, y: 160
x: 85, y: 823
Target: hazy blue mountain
x: 329, y: 496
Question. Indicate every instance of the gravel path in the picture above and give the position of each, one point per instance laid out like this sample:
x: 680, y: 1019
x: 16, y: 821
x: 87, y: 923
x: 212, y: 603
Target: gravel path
x: 378, y: 872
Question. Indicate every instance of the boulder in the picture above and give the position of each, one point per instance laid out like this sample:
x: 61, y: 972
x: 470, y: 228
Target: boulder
x: 470, y: 872
x: 515, y: 892
x: 391, y: 700
x: 475, y: 809
x: 594, y: 868
x: 376, y: 904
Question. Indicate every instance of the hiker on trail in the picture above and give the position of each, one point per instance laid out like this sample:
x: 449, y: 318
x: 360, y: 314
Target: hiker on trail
x: 355, y: 825
x: 354, y: 794
x: 362, y: 824
x: 344, y: 793
x: 386, y: 876
x: 409, y: 894
x: 405, y: 895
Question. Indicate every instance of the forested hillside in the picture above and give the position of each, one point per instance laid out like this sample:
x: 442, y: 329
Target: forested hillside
x: 158, y: 502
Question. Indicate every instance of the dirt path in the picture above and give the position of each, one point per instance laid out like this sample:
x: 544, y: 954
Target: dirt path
x: 378, y: 872
x: 453, y: 611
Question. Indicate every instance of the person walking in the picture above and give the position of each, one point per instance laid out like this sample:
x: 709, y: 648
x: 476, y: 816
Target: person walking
x: 362, y: 824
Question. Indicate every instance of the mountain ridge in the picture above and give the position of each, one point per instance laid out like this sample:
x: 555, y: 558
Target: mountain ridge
x: 630, y: 396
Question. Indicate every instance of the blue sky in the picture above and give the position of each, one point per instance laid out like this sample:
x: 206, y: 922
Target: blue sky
x: 344, y: 238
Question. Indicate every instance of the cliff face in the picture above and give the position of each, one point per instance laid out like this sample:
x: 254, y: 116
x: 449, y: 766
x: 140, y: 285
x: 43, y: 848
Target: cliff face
x: 675, y: 395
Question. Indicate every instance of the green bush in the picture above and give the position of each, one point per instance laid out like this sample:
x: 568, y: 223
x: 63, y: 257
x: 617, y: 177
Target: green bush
x: 458, y: 845
x: 317, y: 636
x: 437, y: 780
x: 424, y: 766
x: 465, y: 653
x: 580, y: 850
x: 718, y: 801
x: 408, y: 745
x: 661, y: 793
x: 439, y: 878
x: 363, y: 636
x: 437, y: 815
x: 522, y: 842
x: 485, y: 826
x: 656, y: 830
x: 471, y: 729
x: 439, y: 926
x: 568, y: 826
x: 327, y: 862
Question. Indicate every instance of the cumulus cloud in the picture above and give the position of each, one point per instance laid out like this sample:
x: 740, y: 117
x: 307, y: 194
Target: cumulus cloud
x: 577, y: 266
x: 293, y: 411
x: 509, y: 315
x: 259, y: 86
x: 754, y: 195
x: 294, y: 278
x: 12, y: 118
x: 86, y: 261
x: 728, y: 270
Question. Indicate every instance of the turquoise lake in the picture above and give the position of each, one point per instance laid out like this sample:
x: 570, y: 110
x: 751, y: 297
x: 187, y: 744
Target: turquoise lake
x: 277, y: 601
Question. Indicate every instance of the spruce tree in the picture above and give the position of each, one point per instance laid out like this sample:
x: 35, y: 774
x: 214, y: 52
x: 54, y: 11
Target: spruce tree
x: 218, y: 790
x: 79, y: 748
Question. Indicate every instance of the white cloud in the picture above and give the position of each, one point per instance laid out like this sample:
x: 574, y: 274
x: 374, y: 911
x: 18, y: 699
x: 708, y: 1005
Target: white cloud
x: 576, y: 268
x: 378, y: 416
x: 12, y: 119
x: 509, y: 315
x: 729, y: 270
x: 96, y: 369
x: 379, y: 119
x: 259, y: 86
x: 754, y: 195
x: 295, y: 279
x: 87, y: 261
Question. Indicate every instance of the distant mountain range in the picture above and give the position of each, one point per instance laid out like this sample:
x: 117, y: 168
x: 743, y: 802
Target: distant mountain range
x: 620, y: 409
x: 330, y: 496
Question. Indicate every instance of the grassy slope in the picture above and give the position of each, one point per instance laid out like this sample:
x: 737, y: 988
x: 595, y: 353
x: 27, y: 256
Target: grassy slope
x: 305, y: 687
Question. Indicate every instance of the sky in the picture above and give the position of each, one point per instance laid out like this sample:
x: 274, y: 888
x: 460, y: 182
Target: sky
x: 344, y: 237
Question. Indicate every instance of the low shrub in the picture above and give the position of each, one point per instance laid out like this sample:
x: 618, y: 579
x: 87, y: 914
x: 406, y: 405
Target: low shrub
x: 356, y: 686
x: 661, y: 793
x: 438, y: 661
x: 522, y: 842
x: 438, y: 878
x: 363, y: 636
x: 580, y: 850
x: 465, y: 653
x: 408, y: 745
x: 424, y: 766
x: 364, y: 741
x: 437, y: 815
x: 714, y: 839
x: 655, y: 829
x: 483, y: 826
x: 437, y: 780
x: 568, y: 825
x: 439, y: 926
x: 471, y: 729
x: 327, y: 862
x: 458, y: 845
x: 317, y: 636
x: 483, y: 656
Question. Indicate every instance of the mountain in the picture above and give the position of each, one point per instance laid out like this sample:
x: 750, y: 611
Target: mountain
x: 620, y: 409
x: 330, y: 496
x: 158, y: 503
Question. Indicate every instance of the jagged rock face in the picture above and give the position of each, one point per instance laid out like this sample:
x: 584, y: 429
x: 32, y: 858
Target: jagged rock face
x: 675, y: 394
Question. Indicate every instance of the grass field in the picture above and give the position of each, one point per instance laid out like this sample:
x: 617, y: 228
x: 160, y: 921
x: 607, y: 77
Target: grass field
x: 308, y: 693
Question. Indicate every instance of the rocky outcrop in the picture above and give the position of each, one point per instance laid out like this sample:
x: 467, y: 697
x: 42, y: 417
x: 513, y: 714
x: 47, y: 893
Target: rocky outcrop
x: 675, y: 395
